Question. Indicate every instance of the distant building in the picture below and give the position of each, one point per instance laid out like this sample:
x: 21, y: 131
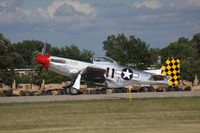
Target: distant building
x: 23, y: 71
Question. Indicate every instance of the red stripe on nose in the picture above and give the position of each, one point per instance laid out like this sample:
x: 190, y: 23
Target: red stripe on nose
x: 43, y: 59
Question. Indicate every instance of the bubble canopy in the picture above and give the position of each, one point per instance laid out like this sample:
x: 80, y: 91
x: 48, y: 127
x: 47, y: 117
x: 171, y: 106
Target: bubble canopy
x: 104, y: 59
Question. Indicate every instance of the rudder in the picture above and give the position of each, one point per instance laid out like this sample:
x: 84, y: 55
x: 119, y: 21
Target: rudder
x: 171, y: 67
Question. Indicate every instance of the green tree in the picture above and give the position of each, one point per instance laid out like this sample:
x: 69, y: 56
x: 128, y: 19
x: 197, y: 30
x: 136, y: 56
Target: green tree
x: 72, y: 52
x: 86, y: 54
x: 196, y: 42
x: 9, y: 58
x: 6, y: 76
x: 129, y: 51
x: 155, y: 54
x: 55, y: 51
x: 57, y: 78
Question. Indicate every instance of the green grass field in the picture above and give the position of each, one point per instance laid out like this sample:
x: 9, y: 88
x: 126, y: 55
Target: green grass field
x: 159, y: 115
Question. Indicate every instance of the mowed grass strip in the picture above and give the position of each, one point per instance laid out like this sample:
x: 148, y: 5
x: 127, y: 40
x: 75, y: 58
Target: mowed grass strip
x: 154, y: 115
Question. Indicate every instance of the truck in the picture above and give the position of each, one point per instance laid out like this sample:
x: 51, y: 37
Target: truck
x: 5, y: 90
x: 26, y: 90
x: 36, y: 90
x: 54, y: 88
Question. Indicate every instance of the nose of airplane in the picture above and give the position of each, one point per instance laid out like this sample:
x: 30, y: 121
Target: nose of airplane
x: 43, y: 59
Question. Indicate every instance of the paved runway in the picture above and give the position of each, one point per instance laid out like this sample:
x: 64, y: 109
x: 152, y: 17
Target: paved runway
x: 22, y: 99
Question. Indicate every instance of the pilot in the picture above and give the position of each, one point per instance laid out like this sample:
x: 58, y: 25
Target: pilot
x: 98, y: 59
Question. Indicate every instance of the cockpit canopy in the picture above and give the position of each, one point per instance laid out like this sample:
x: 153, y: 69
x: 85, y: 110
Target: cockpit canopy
x: 104, y: 59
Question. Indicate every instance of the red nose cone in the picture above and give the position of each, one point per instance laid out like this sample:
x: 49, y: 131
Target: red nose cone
x: 43, y: 59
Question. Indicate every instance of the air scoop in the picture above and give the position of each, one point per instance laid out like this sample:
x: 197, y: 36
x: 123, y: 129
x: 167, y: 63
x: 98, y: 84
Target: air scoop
x: 44, y: 60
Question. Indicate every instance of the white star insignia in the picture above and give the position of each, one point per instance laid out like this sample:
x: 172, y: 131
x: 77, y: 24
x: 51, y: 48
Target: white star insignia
x: 127, y: 74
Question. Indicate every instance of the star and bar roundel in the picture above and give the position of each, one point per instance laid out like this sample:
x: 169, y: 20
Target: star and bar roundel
x: 127, y: 74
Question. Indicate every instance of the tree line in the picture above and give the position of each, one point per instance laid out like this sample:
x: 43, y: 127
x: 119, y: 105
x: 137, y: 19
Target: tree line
x: 127, y: 50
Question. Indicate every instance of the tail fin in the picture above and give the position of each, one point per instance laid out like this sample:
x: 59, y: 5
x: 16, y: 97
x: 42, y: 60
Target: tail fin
x: 171, y: 68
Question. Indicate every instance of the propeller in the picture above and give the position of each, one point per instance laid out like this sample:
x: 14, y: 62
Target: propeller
x: 40, y: 60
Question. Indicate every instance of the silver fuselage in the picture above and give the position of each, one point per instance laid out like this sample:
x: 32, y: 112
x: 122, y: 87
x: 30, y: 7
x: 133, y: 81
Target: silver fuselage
x: 113, y: 72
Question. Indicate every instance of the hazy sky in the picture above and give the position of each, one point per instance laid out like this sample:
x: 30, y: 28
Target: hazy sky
x: 87, y: 23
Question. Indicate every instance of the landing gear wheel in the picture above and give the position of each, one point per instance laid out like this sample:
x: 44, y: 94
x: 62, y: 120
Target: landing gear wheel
x: 73, y: 91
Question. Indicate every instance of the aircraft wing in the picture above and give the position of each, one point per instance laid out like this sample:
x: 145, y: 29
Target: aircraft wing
x: 158, y: 77
x: 95, y: 74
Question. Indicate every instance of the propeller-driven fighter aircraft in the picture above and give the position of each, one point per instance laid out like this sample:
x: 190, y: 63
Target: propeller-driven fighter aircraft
x: 113, y: 74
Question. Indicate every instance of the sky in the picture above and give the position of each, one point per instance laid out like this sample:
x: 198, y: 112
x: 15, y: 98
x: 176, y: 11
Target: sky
x: 87, y: 23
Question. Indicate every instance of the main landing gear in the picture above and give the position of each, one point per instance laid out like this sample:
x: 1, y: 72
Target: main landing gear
x: 73, y: 91
x: 70, y: 90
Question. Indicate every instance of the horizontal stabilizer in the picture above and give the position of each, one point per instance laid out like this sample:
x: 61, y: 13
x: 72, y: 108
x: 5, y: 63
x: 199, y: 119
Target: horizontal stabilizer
x: 157, y: 71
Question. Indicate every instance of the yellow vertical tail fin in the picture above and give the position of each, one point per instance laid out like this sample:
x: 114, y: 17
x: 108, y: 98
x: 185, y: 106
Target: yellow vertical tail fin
x: 171, y: 67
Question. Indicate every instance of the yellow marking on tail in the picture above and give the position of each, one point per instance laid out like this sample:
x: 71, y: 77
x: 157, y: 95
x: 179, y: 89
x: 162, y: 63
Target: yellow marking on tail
x: 172, y: 68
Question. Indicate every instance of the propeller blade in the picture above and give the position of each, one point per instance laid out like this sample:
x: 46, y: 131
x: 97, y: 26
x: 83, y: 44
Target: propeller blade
x: 40, y: 71
x: 44, y: 49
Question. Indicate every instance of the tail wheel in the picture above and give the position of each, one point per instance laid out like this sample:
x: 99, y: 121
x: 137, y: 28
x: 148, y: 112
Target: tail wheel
x: 73, y: 91
x: 188, y: 88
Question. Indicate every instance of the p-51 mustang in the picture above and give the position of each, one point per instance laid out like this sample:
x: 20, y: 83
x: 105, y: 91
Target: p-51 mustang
x: 113, y: 74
